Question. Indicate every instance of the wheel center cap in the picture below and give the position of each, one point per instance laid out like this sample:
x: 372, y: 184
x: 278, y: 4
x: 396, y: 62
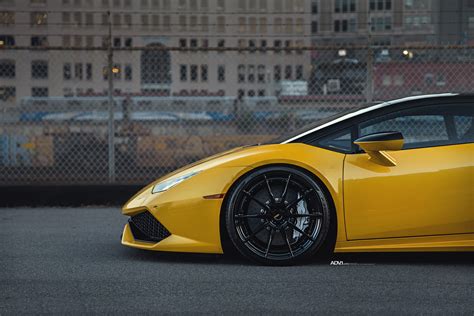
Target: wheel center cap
x: 277, y: 217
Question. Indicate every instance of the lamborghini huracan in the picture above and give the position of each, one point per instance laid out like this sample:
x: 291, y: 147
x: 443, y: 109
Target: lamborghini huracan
x: 395, y: 176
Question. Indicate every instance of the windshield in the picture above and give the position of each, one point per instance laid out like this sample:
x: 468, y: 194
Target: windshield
x: 313, y: 125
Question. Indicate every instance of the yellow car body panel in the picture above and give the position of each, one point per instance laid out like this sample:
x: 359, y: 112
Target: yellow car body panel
x: 429, y: 192
x: 185, y: 212
x: 194, y: 221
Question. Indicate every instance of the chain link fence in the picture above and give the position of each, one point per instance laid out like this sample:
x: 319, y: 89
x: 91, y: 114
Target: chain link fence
x: 129, y: 115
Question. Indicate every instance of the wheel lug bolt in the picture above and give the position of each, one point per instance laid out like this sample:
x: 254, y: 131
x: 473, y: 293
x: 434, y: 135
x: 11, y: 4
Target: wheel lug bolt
x: 262, y: 220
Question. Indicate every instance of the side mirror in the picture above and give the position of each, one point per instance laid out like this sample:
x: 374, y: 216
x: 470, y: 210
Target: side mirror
x: 376, y: 144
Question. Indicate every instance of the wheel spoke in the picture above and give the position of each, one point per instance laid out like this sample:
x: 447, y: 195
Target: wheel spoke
x: 268, y: 188
x: 270, y: 238
x: 293, y: 203
x: 307, y: 215
x: 256, y: 201
x: 255, y: 232
x: 283, y: 195
x: 285, y: 237
x: 301, y: 231
x: 248, y: 216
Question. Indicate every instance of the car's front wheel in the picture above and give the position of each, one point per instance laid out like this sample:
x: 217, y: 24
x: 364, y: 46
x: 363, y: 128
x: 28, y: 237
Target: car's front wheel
x: 277, y: 215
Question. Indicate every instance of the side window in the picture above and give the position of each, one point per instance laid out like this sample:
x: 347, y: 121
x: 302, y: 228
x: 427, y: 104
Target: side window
x: 464, y: 125
x: 340, y: 141
x: 424, y: 126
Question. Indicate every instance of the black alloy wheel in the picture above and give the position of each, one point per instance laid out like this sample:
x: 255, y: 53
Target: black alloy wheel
x: 277, y: 215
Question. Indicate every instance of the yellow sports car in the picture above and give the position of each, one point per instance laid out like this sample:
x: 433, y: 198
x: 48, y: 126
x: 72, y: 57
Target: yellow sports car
x: 396, y: 176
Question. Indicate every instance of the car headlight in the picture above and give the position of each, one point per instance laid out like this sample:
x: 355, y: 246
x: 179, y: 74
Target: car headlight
x: 167, y: 184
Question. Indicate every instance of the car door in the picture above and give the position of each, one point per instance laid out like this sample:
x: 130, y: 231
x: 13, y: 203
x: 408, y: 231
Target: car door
x: 430, y: 189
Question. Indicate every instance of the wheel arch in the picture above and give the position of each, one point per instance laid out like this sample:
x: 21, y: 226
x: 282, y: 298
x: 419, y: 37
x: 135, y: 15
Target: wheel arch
x: 329, y: 243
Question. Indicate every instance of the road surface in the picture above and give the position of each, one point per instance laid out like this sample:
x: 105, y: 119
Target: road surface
x: 69, y: 260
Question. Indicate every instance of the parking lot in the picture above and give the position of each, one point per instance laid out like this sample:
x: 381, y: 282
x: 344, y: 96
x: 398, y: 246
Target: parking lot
x: 69, y: 260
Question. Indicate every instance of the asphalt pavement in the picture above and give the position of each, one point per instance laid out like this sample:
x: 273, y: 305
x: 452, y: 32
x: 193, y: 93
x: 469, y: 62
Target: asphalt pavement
x: 70, y: 260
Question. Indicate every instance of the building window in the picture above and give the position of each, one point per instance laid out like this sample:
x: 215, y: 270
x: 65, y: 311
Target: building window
x: 263, y: 46
x: 380, y: 5
x: 344, y: 6
x: 7, y: 93
x: 167, y: 23
x: 7, y: 17
x: 204, y: 73
x: 193, y: 43
x: 241, y: 73
x: 67, y: 71
x: 39, y: 92
x: 277, y: 46
x: 220, y: 5
x: 262, y: 5
x: 127, y: 20
x: 128, y: 72
x: 263, y: 25
x: 155, y: 20
x: 314, y: 26
x: 7, y: 41
x: 261, y: 73
x: 288, y: 72
x: 345, y: 25
x: 77, y: 41
x: 117, y: 42
x: 289, y: 25
x: 88, y: 71
x: 145, y: 21
x: 128, y: 42
x: 117, y: 71
x: 299, y: 72
x: 380, y: 24
x: 204, y: 23
x: 277, y: 25
x: 183, y: 72
x: 261, y: 93
x: 314, y: 7
x: 66, y: 17
x: 288, y: 46
x: 242, y: 5
x: 251, y: 73
x: 66, y: 41
x: 39, y: 41
x: 78, y: 71
x: 242, y: 25
x: 39, y: 69
x: 221, y: 73
x: 221, y: 44
x: 7, y: 68
x: 193, y: 73
x: 220, y: 24
x: 182, y: 43
x: 182, y: 23
x: 252, y: 46
x: 253, y: 25
x: 77, y: 18
x: 38, y: 18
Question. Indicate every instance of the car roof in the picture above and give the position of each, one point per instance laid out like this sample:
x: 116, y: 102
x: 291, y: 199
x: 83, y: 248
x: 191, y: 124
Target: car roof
x: 369, y: 109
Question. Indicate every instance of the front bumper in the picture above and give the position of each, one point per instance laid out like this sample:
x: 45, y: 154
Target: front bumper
x: 192, y: 221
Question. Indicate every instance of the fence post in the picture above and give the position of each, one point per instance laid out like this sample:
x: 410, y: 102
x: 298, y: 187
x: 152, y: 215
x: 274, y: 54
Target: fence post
x: 111, y: 123
x: 370, y: 75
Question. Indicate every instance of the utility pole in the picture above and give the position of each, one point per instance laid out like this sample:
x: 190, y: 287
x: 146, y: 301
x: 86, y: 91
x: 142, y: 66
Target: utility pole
x: 111, y: 123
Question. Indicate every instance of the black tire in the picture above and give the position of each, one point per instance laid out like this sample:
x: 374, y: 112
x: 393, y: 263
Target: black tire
x: 277, y: 215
